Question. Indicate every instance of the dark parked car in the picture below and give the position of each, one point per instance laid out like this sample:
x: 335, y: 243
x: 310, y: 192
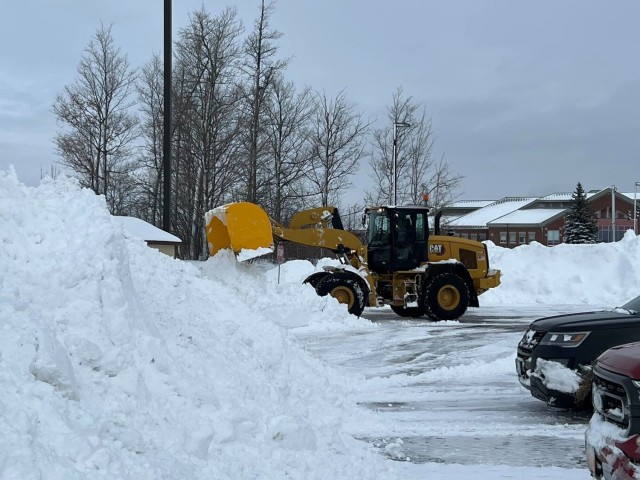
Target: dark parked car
x: 555, y: 356
x: 613, y: 436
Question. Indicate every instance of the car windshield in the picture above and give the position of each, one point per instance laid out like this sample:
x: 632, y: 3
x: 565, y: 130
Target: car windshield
x: 632, y: 306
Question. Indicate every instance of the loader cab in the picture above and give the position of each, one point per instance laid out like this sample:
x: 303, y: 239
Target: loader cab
x: 396, y: 238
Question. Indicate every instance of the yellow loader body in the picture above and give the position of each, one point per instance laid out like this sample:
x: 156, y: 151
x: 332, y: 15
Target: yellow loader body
x: 416, y: 274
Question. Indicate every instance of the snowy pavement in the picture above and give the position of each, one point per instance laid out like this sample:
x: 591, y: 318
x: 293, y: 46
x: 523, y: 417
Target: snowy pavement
x: 448, y: 393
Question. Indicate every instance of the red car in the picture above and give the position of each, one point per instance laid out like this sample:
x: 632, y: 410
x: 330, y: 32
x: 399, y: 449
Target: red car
x: 613, y: 436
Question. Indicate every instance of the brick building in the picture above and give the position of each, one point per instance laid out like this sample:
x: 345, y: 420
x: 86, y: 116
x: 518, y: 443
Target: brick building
x: 514, y: 221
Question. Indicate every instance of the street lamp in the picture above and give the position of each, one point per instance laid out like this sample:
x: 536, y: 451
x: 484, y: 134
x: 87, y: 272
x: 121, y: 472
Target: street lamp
x: 635, y: 211
x: 394, y: 174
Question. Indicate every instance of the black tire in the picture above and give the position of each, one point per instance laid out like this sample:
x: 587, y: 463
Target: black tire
x: 345, y: 288
x: 315, y: 278
x: 446, y: 297
x: 413, y: 312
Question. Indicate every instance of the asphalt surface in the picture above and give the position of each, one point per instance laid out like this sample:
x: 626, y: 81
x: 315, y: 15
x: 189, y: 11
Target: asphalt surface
x: 465, y: 405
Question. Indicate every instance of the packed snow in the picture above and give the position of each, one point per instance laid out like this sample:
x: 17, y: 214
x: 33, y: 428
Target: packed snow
x: 120, y: 362
x: 556, y: 376
x: 603, y: 274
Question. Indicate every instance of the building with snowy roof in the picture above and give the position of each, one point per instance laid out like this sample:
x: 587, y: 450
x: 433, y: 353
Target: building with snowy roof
x: 514, y: 221
x: 153, y: 236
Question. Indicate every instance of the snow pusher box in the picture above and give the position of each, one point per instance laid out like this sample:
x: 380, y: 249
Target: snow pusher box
x: 400, y: 264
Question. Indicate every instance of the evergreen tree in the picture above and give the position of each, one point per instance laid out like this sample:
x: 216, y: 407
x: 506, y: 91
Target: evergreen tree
x: 580, y: 223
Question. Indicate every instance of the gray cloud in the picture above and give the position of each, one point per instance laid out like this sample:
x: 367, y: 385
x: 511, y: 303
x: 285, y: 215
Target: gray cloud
x: 525, y: 97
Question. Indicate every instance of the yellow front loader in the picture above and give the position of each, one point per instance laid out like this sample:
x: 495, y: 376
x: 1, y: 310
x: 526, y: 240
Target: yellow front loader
x: 400, y: 264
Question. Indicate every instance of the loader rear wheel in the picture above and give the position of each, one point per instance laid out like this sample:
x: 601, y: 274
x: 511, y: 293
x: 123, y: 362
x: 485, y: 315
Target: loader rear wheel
x: 408, y: 311
x: 344, y: 288
x: 446, y: 297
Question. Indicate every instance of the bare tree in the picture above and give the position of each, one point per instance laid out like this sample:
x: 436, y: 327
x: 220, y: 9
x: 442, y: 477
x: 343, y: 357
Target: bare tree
x: 287, y: 164
x: 54, y: 171
x: 207, y: 121
x: 381, y: 169
x: 416, y: 170
x: 96, y: 109
x: 337, y: 146
x: 261, y: 68
x: 352, y: 216
x: 150, y: 161
x: 443, y: 185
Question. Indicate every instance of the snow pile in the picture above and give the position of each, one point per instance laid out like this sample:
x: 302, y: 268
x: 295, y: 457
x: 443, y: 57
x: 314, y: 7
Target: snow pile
x: 556, y: 376
x: 601, y: 434
x: 604, y: 274
x: 120, y: 362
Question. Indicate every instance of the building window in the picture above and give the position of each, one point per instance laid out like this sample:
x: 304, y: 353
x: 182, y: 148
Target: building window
x: 620, y: 231
x: 553, y: 237
x: 512, y: 238
x: 522, y: 237
x: 503, y: 237
x: 532, y: 237
x: 482, y: 237
x: 473, y: 236
x: 605, y: 233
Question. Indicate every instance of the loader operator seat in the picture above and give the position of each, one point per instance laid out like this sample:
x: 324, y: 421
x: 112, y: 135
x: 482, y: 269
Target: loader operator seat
x: 397, y: 239
x: 405, y: 237
x: 410, y: 239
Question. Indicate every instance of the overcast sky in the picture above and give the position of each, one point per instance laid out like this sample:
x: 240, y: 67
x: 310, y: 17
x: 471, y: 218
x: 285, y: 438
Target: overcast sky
x: 525, y: 98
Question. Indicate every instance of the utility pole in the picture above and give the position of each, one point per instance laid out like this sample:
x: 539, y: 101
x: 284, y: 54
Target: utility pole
x: 166, y: 141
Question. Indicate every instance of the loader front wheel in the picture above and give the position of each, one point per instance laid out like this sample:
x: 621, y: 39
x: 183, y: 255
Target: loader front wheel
x: 446, y: 297
x: 346, y: 289
x: 315, y: 278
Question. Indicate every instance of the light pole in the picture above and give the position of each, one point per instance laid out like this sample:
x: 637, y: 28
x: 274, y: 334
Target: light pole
x: 635, y: 211
x: 394, y: 174
x: 166, y: 141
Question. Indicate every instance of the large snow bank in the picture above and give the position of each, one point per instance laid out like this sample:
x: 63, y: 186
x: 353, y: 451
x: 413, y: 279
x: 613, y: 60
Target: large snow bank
x: 119, y: 362
x: 604, y: 274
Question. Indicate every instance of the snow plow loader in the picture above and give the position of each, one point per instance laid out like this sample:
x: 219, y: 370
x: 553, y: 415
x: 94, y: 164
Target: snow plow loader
x: 399, y: 264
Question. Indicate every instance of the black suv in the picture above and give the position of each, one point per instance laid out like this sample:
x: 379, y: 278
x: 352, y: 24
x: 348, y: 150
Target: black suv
x: 556, y: 354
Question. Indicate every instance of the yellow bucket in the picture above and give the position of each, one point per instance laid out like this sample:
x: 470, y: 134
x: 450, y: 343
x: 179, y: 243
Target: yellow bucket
x: 240, y: 226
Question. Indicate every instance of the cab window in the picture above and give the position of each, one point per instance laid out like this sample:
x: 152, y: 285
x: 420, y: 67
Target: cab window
x: 379, y: 229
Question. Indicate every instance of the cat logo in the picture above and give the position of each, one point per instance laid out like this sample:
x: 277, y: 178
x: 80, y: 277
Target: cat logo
x: 436, y: 249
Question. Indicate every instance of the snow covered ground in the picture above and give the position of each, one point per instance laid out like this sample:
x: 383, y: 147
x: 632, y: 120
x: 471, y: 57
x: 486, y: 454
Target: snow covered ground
x: 119, y: 362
